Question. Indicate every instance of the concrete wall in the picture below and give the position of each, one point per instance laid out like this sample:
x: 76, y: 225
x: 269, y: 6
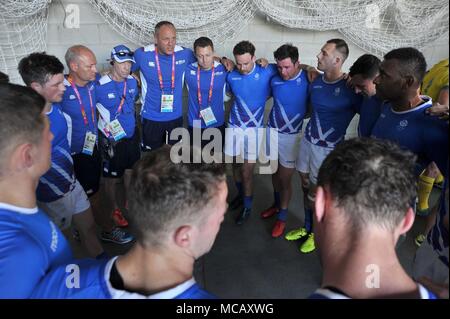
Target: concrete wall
x: 95, y: 33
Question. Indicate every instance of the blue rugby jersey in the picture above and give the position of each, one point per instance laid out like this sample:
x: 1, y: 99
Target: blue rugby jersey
x: 109, y: 94
x: 58, y: 180
x: 333, y: 107
x: 30, y: 244
x: 151, y: 90
x: 251, y: 92
x: 218, y: 92
x: 290, y: 100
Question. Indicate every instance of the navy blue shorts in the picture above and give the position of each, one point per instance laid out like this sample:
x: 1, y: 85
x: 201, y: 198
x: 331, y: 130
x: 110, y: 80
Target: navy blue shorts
x: 156, y: 134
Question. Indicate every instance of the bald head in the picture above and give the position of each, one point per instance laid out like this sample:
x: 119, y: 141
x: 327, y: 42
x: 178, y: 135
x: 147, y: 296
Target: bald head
x: 81, y: 62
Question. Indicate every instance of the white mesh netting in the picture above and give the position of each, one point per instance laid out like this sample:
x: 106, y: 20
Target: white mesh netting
x: 23, y: 29
x: 376, y: 26
x: 136, y: 19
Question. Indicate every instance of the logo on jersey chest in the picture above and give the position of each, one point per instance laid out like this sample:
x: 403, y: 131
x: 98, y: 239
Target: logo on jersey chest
x: 193, y: 72
x: 317, y: 86
x: 180, y: 62
x: 299, y: 81
x: 256, y: 76
x: 71, y: 97
x: 402, y: 125
x: 337, y: 91
x: 111, y: 96
x: 236, y: 79
x: 151, y: 64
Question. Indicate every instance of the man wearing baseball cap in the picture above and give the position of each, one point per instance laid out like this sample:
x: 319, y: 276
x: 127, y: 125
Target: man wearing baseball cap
x: 119, y: 142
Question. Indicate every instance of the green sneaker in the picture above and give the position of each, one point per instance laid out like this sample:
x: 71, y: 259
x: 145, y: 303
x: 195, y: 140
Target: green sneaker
x: 296, y: 234
x: 308, y: 246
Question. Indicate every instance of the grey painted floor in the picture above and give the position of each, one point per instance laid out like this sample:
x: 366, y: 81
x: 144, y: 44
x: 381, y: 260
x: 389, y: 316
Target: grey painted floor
x: 246, y: 262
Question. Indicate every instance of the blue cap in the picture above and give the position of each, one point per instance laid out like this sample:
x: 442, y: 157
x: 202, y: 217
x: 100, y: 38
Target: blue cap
x: 121, y: 54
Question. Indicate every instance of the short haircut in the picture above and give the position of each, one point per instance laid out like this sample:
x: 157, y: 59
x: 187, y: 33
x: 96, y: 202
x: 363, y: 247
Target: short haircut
x: 73, y: 53
x: 161, y: 24
x: 21, y: 119
x: 412, y: 62
x: 39, y: 67
x: 4, y: 78
x: 367, y: 65
x: 244, y: 47
x: 286, y: 51
x: 341, y: 47
x: 165, y: 195
x: 371, y: 180
x: 203, y: 42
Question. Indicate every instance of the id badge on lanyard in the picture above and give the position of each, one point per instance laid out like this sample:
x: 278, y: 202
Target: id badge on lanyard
x: 166, y: 103
x: 208, y: 116
x: 166, y: 99
x: 90, y: 138
x: 116, y: 130
x: 89, y: 143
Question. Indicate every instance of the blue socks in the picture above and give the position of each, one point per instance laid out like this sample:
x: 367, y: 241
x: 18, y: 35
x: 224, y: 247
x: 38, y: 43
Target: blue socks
x: 282, y: 214
x: 308, y: 220
x: 248, y: 201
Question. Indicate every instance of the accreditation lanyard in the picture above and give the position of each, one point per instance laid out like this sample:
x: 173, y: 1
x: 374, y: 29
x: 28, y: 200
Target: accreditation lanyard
x: 199, y: 94
x: 158, y: 67
x: 83, y: 112
x: 122, y: 101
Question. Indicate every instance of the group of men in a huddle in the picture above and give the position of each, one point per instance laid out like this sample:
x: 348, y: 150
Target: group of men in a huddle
x: 350, y: 187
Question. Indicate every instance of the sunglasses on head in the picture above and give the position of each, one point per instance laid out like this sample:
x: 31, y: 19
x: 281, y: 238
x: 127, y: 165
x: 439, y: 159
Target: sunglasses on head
x: 122, y: 54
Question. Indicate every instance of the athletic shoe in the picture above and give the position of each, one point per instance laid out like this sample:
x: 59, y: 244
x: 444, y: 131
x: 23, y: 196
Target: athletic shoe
x: 296, y: 234
x: 119, y: 219
x: 237, y: 202
x: 419, y: 239
x: 269, y: 212
x: 278, y: 229
x: 117, y: 236
x: 243, y: 216
x: 308, y: 246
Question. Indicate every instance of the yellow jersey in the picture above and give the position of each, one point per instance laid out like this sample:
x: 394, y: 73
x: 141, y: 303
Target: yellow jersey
x: 435, y: 80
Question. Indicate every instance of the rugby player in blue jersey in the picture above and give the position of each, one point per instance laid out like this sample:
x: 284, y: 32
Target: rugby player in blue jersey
x: 333, y: 106
x: 362, y: 73
x: 290, y: 91
x: 59, y: 193
x: 403, y: 118
x: 250, y: 86
x: 30, y: 243
x: 172, y: 232
x: 365, y: 188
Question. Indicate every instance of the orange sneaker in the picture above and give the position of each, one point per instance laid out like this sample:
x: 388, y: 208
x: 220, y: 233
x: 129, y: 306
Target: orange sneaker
x: 269, y: 212
x: 119, y: 219
x: 278, y: 229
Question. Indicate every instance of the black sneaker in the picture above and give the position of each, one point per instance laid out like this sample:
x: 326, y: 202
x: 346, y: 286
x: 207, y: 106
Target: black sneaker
x: 237, y: 202
x: 243, y: 216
